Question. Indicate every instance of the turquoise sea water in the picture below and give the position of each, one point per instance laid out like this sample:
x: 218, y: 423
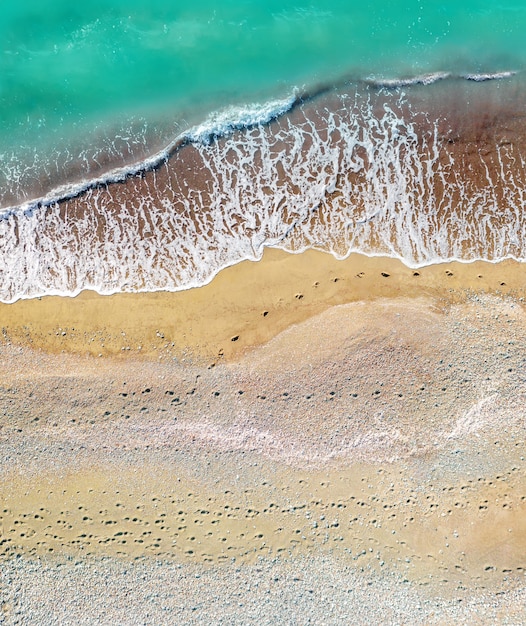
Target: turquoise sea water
x: 77, y: 74
x: 89, y: 87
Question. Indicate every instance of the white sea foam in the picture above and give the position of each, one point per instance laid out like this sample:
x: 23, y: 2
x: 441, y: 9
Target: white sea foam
x: 433, y: 77
x: 478, y: 78
x: 29, y: 173
x: 233, y: 118
x: 355, y: 177
x: 420, y: 79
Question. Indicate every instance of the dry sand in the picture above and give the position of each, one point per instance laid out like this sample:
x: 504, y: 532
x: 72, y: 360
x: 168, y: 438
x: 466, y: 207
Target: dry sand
x: 319, y: 441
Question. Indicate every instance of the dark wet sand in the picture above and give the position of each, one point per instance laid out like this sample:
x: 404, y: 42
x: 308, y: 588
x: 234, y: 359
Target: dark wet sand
x: 428, y: 173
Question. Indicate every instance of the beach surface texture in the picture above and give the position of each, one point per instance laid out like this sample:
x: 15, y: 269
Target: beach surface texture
x: 333, y: 439
x: 262, y: 313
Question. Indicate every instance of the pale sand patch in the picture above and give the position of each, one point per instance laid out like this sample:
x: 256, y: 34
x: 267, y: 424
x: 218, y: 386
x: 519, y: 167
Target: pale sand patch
x: 244, y: 306
x: 372, y: 380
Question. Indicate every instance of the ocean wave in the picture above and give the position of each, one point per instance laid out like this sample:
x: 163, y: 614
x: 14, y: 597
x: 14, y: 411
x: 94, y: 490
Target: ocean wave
x: 226, y: 121
x: 222, y: 123
x: 370, y: 171
x: 433, y: 77
x: 218, y: 124
x: 419, y: 79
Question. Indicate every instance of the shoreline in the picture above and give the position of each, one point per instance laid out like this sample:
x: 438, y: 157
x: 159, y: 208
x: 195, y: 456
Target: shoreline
x: 220, y: 123
x: 420, y: 175
x: 244, y: 306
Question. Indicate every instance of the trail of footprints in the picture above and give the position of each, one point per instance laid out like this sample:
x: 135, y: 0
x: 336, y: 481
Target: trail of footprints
x: 99, y: 342
x: 455, y: 535
x: 494, y: 284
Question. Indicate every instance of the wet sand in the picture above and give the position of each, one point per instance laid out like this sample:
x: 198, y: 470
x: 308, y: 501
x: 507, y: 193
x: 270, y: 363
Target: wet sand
x: 243, y: 307
x: 344, y: 440
x: 424, y: 173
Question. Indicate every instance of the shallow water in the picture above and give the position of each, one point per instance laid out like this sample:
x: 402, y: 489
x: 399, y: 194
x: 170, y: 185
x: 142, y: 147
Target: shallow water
x: 112, y: 92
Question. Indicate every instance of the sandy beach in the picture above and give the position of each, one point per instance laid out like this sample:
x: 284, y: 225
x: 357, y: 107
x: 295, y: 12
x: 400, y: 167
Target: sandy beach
x: 262, y: 314
x: 302, y: 440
